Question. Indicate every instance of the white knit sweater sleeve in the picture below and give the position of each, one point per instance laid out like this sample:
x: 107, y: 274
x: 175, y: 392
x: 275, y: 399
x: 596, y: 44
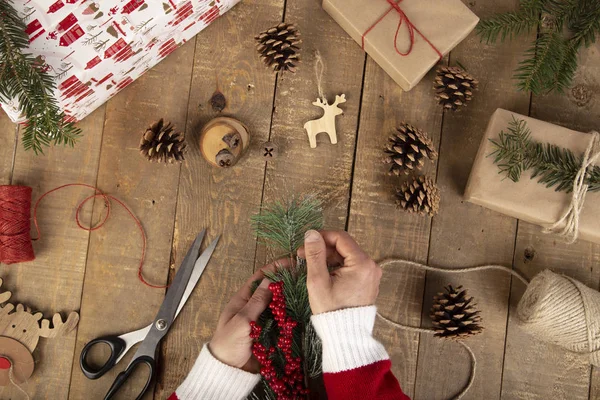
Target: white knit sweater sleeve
x: 347, y: 337
x: 210, y: 379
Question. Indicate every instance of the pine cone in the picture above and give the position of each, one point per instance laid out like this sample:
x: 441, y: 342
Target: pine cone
x: 454, y: 87
x: 160, y: 143
x: 419, y: 195
x: 407, y: 149
x: 278, y: 47
x: 453, y: 314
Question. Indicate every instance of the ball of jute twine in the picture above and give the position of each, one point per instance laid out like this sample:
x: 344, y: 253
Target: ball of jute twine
x: 561, y: 310
x: 554, y: 309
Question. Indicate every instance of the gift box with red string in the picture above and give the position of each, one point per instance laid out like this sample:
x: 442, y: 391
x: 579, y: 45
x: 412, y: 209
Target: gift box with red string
x: 96, y: 48
x: 405, y: 37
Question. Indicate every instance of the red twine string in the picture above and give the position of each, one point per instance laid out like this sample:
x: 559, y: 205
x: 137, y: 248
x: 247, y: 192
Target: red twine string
x: 15, y: 208
x: 107, y: 200
x: 394, y: 5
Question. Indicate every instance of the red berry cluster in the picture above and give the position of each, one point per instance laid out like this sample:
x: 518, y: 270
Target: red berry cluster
x: 288, y: 385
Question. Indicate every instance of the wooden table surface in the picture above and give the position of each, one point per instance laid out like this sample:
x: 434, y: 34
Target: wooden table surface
x: 96, y: 272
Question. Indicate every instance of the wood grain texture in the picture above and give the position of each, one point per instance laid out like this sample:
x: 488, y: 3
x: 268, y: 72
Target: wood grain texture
x: 535, y: 370
x: 8, y: 137
x: 464, y: 234
x: 382, y: 230
x: 220, y: 199
x: 114, y: 300
x: 326, y: 169
x: 53, y: 282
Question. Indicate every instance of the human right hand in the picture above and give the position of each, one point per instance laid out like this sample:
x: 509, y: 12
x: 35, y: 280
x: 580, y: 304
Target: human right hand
x: 354, y: 284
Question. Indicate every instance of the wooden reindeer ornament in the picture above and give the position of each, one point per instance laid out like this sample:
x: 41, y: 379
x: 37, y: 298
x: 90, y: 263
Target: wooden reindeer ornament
x: 327, y: 122
x: 20, y: 331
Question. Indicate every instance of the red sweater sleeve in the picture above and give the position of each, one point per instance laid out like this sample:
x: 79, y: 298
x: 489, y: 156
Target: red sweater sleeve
x: 373, y: 381
x: 355, y: 365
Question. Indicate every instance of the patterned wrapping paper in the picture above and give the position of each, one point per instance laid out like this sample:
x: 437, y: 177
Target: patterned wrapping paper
x: 527, y: 199
x: 96, y: 48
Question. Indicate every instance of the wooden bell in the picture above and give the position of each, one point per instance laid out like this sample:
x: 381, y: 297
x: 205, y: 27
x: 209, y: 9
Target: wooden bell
x: 223, y: 141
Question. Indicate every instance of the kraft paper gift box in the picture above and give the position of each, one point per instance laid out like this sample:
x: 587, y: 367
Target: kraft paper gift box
x: 96, y: 48
x: 528, y: 199
x: 383, y: 29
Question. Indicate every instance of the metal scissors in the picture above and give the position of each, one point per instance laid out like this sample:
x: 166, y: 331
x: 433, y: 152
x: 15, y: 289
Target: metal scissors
x: 184, y: 282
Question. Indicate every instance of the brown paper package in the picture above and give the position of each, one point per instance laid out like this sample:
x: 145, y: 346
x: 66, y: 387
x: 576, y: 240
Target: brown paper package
x: 445, y: 23
x: 527, y: 199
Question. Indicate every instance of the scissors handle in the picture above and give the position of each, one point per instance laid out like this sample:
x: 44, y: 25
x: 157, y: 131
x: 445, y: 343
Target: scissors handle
x: 123, y: 376
x: 117, y: 347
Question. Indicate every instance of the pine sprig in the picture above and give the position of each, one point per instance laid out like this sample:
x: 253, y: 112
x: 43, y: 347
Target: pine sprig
x: 281, y: 225
x: 551, y: 61
x: 21, y: 77
x: 508, y: 25
x: 554, y: 166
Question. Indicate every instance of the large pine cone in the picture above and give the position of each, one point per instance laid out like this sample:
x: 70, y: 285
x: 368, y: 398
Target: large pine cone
x: 161, y: 143
x: 454, y: 87
x: 419, y: 195
x: 278, y: 47
x: 407, y: 150
x: 453, y: 314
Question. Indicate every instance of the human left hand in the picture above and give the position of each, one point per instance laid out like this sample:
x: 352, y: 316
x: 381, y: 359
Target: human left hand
x: 231, y: 343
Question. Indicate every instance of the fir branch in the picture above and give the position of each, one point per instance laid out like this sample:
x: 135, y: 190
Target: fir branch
x: 509, y: 25
x: 282, y: 225
x: 585, y: 22
x: 543, y: 63
x: 551, y: 61
x: 554, y: 166
x: 22, y: 78
x: 511, y: 149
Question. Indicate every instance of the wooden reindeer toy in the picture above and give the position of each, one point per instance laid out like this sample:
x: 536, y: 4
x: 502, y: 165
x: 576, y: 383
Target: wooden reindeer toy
x: 327, y: 122
x: 20, y: 331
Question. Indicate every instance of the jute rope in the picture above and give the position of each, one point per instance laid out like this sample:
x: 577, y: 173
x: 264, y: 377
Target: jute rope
x: 319, y: 70
x: 554, y: 309
x: 11, y: 378
x: 568, y: 224
x: 561, y: 310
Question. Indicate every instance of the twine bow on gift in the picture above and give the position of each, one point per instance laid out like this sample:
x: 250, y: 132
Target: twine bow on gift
x: 394, y: 6
x: 568, y: 223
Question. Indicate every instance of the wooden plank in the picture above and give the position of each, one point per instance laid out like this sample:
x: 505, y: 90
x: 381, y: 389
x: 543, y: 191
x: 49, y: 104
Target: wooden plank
x: 114, y: 300
x: 534, y: 370
x: 53, y: 282
x: 220, y: 200
x: 464, y: 234
x: 327, y: 168
x: 375, y: 222
x: 8, y: 138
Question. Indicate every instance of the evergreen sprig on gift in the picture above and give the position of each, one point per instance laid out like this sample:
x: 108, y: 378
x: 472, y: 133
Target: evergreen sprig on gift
x: 554, y: 166
x: 22, y: 78
x: 281, y: 226
x: 563, y: 26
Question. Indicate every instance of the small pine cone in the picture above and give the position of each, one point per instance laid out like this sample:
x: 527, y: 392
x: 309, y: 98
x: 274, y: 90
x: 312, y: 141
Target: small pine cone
x: 160, y: 143
x: 419, y: 195
x: 454, y: 315
x: 278, y: 47
x: 454, y: 87
x: 407, y: 150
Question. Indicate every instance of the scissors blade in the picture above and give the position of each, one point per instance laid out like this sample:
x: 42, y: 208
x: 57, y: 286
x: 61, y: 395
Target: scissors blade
x: 166, y: 314
x: 199, y: 268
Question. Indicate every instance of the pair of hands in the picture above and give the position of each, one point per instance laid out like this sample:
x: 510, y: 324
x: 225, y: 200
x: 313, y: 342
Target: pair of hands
x: 354, y: 284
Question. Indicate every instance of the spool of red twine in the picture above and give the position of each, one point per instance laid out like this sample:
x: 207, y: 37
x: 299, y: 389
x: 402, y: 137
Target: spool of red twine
x: 15, y: 215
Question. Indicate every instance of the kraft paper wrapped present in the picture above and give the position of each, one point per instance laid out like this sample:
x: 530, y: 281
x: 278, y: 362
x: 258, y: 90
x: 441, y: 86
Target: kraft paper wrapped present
x: 405, y: 37
x: 96, y: 48
x: 527, y: 199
